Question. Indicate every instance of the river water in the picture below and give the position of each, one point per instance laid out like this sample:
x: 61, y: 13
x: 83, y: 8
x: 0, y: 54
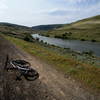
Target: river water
x: 75, y: 45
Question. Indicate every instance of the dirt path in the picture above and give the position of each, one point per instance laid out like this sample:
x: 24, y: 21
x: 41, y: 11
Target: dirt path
x: 50, y: 86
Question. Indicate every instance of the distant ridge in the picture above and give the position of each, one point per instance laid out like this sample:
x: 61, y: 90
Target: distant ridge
x: 12, y: 25
x: 15, y: 30
x: 47, y: 27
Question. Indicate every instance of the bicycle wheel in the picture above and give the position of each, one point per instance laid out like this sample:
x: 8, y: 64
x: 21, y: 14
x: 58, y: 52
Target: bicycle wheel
x: 31, y: 75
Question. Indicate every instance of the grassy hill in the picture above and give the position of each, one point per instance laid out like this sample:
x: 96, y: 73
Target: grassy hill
x: 86, y: 29
x: 15, y: 30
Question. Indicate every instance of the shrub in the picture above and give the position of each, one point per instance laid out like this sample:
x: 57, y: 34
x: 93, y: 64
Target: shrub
x: 88, y: 53
x: 56, y: 36
x: 28, y: 38
x: 37, y: 39
x: 47, y: 35
x: 82, y: 39
x: 93, y: 40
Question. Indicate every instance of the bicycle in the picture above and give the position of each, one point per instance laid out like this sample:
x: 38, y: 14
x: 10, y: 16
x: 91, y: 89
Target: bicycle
x: 23, y: 67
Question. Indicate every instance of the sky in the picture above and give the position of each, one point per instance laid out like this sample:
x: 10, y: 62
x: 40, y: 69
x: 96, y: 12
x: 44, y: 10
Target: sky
x: 42, y: 12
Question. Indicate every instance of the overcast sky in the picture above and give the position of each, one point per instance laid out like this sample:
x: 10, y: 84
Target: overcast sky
x: 38, y: 12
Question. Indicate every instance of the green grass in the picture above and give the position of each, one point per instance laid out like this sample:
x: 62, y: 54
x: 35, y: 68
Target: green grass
x: 87, y: 74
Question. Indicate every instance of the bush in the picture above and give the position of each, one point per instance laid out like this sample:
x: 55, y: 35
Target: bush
x: 28, y: 38
x: 56, y: 36
x: 47, y: 35
x: 37, y: 39
x: 82, y: 39
x: 93, y: 40
x: 88, y: 53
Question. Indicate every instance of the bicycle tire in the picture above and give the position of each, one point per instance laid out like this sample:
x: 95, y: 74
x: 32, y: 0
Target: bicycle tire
x: 31, y: 75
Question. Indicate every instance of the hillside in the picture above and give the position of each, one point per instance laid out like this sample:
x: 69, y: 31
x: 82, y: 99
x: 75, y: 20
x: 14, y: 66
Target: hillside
x: 15, y: 30
x: 47, y: 27
x: 86, y: 29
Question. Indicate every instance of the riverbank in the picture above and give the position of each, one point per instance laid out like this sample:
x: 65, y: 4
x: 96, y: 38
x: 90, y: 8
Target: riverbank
x: 83, y: 71
x: 46, y: 34
x: 66, y: 36
x: 75, y: 45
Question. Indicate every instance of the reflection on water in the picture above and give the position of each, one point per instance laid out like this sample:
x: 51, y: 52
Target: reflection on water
x: 75, y: 45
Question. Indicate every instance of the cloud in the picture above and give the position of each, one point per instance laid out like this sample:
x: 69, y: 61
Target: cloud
x: 62, y: 11
x: 68, y: 14
x: 78, y: 1
x: 3, y: 4
x: 89, y: 6
x: 34, y: 12
x: 81, y: 3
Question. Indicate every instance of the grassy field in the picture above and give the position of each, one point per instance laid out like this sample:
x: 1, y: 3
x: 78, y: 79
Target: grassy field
x: 87, y: 74
x: 86, y: 29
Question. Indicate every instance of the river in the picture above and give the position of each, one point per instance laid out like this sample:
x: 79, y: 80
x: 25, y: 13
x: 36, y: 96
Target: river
x: 75, y: 45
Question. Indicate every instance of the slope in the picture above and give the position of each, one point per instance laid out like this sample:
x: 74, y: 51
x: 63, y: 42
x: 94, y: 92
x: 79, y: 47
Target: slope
x: 86, y: 29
